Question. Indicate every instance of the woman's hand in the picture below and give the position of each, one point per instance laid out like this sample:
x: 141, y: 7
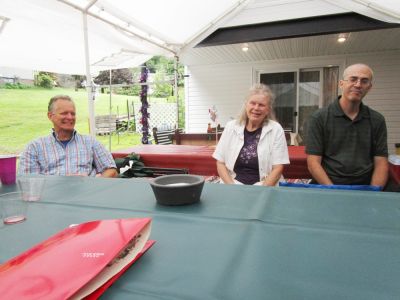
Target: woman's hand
x: 273, y: 177
x: 224, y: 173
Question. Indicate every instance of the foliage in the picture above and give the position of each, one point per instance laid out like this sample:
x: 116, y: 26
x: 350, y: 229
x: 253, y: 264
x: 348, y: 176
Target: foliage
x: 119, y: 76
x: 15, y: 86
x: 164, y: 75
x: 161, y: 64
x: 161, y: 87
x: 128, y: 90
x: 125, y: 126
x: 181, y: 111
x: 45, y: 80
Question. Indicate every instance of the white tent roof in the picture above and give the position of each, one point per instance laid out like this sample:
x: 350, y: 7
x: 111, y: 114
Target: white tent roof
x: 48, y: 34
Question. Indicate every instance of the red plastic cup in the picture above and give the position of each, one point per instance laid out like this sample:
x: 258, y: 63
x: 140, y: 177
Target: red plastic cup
x: 8, y: 170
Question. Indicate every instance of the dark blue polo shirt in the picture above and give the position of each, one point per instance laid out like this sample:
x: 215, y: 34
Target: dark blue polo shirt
x: 347, y: 146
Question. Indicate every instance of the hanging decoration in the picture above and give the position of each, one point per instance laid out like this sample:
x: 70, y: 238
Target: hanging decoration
x: 145, y: 105
x: 213, y: 116
x: 213, y: 113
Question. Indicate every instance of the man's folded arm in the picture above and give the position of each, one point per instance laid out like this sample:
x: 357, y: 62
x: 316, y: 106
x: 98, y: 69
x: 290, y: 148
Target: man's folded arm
x: 316, y: 170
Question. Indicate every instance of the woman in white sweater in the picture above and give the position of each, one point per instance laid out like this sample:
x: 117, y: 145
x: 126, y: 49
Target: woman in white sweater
x: 253, y: 149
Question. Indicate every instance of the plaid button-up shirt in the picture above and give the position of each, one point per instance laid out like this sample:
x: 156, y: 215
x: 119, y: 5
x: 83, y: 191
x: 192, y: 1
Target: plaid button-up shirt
x: 83, y: 154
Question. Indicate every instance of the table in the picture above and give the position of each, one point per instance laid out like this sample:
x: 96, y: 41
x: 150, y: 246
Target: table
x: 239, y: 242
x: 199, y: 160
x: 202, y: 139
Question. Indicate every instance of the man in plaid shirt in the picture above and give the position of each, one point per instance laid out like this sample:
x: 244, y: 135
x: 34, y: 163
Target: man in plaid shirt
x: 66, y: 152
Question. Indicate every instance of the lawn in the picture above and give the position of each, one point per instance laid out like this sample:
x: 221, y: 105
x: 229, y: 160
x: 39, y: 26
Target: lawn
x: 24, y: 116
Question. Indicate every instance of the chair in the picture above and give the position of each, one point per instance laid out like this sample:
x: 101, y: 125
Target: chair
x: 163, y: 137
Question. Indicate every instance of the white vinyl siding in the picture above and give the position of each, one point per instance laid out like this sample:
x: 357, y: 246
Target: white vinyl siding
x: 226, y: 85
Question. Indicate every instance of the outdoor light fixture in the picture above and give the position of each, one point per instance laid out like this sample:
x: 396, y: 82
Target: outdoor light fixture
x: 245, y: 47
x: 343, y: 37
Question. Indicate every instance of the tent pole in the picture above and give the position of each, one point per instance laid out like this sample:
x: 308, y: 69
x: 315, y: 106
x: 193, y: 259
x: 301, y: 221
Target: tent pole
x: 89, y: 84
x: 109, y: 113
x: 176, y: 61
x: 119, y: 27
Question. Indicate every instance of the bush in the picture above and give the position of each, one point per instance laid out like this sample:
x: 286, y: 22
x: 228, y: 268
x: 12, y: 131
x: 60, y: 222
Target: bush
x: 123, y: 126
x: 15, y: 86
x: 45, y: 81
x: 129, y: 91
x: 161, y: 88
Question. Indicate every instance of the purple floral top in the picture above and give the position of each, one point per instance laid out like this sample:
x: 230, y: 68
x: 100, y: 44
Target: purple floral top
x: 246, y: 166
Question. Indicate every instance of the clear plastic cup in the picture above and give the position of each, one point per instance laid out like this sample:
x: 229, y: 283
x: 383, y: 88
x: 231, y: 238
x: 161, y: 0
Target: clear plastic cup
x: 13, y: 208
x: 31, y: 188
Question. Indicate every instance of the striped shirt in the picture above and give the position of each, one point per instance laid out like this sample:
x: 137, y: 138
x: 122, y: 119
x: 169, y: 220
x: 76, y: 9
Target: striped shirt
x: 83, y: 155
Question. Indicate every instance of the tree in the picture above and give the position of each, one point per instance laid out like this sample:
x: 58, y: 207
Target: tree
x: 118, y: 76
x: 161, y: 64
x: 45, y: 79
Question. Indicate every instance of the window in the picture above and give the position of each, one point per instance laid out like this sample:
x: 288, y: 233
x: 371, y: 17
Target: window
x: 299, y: 93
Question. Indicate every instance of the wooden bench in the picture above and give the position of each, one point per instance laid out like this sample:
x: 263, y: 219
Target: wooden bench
x: 105, y: 124
x: 165, y: 137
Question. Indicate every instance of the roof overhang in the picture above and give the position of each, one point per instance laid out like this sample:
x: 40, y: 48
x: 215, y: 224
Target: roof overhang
x: 329, y: 24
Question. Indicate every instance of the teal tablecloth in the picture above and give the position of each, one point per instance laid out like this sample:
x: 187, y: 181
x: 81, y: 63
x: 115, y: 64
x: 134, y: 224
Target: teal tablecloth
x: 239, y: 242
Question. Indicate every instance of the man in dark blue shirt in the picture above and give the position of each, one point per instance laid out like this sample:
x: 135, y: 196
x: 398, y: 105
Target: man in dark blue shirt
x: 347, y: 140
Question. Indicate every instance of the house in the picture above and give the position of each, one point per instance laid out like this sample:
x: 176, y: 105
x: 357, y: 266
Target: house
x: 16, y: 75
x: 301, y: 59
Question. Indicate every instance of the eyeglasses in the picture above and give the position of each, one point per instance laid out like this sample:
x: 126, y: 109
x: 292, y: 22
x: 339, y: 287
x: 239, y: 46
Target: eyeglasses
x: 354, y: 80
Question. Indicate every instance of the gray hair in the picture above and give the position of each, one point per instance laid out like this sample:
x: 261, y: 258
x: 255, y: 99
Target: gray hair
x: 259, y: 89
x: 358, y: 65
x: 54, y: 99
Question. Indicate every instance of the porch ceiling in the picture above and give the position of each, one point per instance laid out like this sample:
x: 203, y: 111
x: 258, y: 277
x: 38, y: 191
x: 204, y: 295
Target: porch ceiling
x: 321, y: 45
x: 317, y: 25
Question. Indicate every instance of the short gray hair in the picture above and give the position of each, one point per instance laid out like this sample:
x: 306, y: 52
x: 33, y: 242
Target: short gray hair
x: 358, y: 65
x: 259, y: 89
x: 54, y: 99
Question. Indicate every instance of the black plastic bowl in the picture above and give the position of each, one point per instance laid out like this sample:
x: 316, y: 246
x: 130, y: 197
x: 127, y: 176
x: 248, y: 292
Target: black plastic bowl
x: 180, y: 189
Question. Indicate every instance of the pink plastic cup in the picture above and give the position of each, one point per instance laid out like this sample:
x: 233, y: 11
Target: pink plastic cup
x: 8, y: 169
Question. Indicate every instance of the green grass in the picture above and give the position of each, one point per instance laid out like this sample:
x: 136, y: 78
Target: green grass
x: 23, y: 116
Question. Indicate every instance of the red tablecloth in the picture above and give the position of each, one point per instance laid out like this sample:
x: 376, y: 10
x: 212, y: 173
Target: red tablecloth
x: 394, y: 173
x: 199, y: 160
x: 298, y: 163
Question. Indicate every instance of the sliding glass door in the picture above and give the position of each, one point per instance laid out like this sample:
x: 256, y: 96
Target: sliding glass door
x: 284, y: 86
x: 299, y: 93
x: 310, y: 95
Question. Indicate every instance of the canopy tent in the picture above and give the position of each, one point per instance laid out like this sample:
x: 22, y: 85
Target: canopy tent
x: 85, y: 36
x: 48, y: 35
